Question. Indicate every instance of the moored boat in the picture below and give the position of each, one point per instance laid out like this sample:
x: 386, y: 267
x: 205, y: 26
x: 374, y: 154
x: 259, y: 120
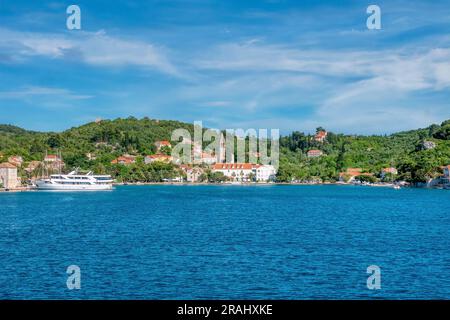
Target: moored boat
x: 75, y: 182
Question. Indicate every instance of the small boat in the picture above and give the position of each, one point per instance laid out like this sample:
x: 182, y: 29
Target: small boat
x: 75, y: 182
x: 396, y: 187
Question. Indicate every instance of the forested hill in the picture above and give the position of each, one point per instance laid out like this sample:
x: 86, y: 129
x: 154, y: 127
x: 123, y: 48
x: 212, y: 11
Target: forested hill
x: 417, y: 154
x: 409, y: 151
x: 106, y: 139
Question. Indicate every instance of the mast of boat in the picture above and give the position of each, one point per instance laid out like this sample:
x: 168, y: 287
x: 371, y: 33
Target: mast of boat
x: 45, y: 168
x: 59, y: 161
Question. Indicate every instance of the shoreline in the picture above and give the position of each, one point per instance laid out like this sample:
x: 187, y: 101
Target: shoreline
x: 29, y: 188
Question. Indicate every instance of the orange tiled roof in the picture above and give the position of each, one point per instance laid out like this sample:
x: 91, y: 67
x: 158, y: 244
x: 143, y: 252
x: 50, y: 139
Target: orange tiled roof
x: 233, y: 166
x: 163, y: 143
x: 354, y: 172
x: 159, y: 156
x: 51, y: 156
x: 7, y: 165
x: 126, y: 159
x: 321, y: 134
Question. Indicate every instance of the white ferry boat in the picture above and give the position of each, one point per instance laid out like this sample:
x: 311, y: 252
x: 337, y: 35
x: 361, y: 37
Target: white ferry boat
x: 74, y: 181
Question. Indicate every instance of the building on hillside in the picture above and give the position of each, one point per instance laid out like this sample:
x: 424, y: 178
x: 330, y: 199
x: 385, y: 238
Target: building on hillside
x: 53, y: 162
x: 90, y: 156
x: 351, y: 173
x: 32, y: 166
x: 390, y: 170
x: 314, y: 153
x: 447, y: 171
x: 208, y: 158
x: 52, y: 158
x: 264, y: 173
x: 428, y: 145
x: 8, y: 176
x: 445, y: 179
x: 217, y: 154
x: 222, y: 149
x: 157, y: 157
x: 125, y: 159
x: 16, y: 160
x: 320, y: 136
x: 197, y: 150
x: 162, y: 143
x: 192, y: 173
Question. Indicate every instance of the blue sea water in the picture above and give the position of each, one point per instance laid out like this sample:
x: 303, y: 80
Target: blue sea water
x: 226, y: 242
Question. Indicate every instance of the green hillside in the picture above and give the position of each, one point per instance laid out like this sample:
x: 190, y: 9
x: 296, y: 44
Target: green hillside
x: 109, y: 139
x: 403, y: 150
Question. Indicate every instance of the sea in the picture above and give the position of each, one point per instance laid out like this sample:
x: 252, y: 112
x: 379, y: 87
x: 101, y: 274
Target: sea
x: 226, y: 242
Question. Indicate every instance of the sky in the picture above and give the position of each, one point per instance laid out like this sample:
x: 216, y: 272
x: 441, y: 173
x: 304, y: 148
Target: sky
x: 273, y: 64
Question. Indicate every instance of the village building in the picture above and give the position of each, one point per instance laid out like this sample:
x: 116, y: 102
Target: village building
x: 223, y: 149
x: 192, y: 173
x: 208, y: 158
x: 90, y: 156
x: 216, y: 155
x: 445, y: 179
x: 390, y: 170
x: 157, y: 157
x: 264, y: 173
x: 125, y: 159
x: 351, y: 173
x: 238, y: 172
x: 428, y: 145
x: 162, y: 143
x: 8, y: 176
x: 320, y: 136
x: 32, y: 166
x: 314, y: 153
x: 16, y: 160
x: 245, y: 172
x: 53, y: 162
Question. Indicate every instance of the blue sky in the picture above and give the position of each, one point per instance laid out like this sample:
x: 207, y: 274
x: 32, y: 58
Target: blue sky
x: 291, y: 65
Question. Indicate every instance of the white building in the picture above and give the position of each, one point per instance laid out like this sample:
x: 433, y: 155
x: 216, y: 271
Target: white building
x: 238, y: 172
x: 243, y: 172
x: 446, y: 177
x: 264, y: 172
x: 8, y: 176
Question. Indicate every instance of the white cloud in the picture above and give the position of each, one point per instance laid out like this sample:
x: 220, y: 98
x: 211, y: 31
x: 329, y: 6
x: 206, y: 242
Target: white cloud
x: 93, y: 48
x: 363, y: 91
x: 35, y: 91
x: 403, y: 68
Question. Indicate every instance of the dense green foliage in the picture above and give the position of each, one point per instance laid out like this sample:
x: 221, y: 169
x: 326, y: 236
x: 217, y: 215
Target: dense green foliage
x: 402, y: 150
x: 106, y: 140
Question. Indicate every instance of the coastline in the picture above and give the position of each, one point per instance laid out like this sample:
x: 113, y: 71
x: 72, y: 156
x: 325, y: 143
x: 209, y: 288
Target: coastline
x: 378, y: 185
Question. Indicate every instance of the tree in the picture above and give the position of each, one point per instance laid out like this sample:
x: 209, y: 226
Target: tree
x: 366, y: 178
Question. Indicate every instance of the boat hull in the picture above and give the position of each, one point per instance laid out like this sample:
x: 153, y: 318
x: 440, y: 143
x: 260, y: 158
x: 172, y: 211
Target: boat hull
x: 42, y: 185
